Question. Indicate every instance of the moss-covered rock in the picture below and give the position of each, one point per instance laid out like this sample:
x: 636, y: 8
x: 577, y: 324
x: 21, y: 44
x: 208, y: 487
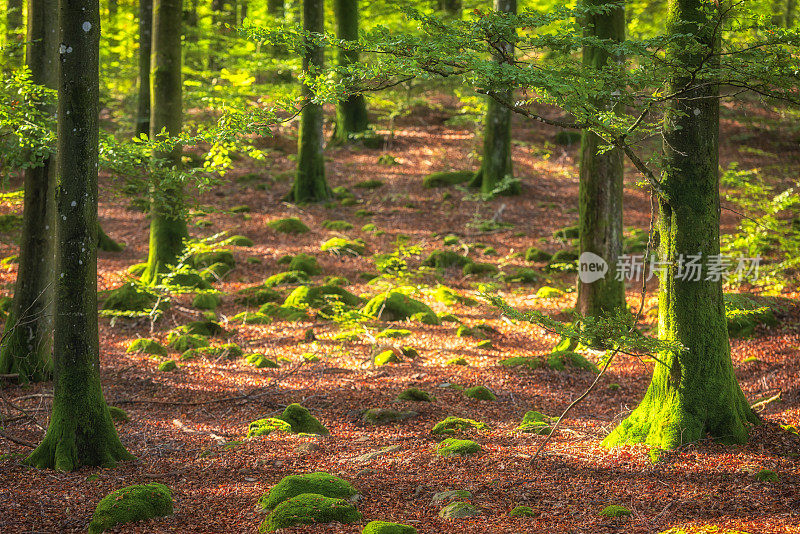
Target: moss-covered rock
x: 252, y: 318
x: 564, y: 256
x: 534, y: 254
x: 450, y: 496
x: 338, y: 226
x: 133, y: 503
x: 386, y: 357
x: 286, y: 278
x: 294, y: 485
x: 306, y: 263
x: 445, y: 179
x: 479, y: 269
x: 260, y: 361
x: 560, y: 359
x: 369, y: 184
x: 397, y: 306
x: 393, y: 333
x: 290, y: 225
x: 284, y: 313
x: 466, y: 331
x: 215, y: 272
x: 414, y: 394
x: 384, y: 527
x: 451, y: 425
x: 451, y: 240
x: 167, y: 366
x: 187, y: 278
x: 547, y: 292
x: 131, y: 297
x: 480, y: 393
x: 522, y: 511
x: 147, y: 346
x: 237, y: 241
x: 257, y: 296
x: 206, y: 259
x: 448, y: 296
x: 227, y: 351
x: 458, y: 447
x: 444, y: 259
x: 522, y: 361
x: 614, y: 510
x: 118, y: 415
x: 203, y: 328
x: 307, y: 509
x: 322, y: 297
x: 206, y: 301
x: 344, y: 247
x: 534, y: 422
x: 458, y: 510
x: 302, y: 421
x: 568, y: 232
x: 457, y: 361
x: 522, y: 275
x: 385, y: 416
x: 265, y: 427
x: 183, y: 342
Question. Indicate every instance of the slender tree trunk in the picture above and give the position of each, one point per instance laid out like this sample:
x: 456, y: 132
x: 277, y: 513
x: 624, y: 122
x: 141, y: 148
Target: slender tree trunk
x: 27, y: 344
x: 694, y: 394
x: 351, y: 113
x: 14, y: 31
x: 451, y: 8
x: 145, y: 46
x: 496, y: 163
x: 81, y: 431
x: 310, y: 184
x: 791, y: 9
x: 601, y: 182
x: 167, y: 223
x: 243, y: 12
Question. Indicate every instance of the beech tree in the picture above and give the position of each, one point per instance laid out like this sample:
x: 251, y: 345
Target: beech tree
x: 14, y: 31
x: 167, y: 222
x: 601, y: 177
x: 80, y: 431
x: 27, y: 343
x: 351, y: 112
x: 145, y: 46
x: 309, y: 183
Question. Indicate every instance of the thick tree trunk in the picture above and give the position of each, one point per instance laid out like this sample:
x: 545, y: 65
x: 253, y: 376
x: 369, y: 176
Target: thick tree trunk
x: 451, y: 8
x: 145, y: 46
x: 694, y: 394
x: 310, y: 184
x: 27, y: 344
x: 15, y: 33
x: 351, y: 113
x: 601, y: 183
x: 276, y: 8
x: 81, y: 431
x: 496, y: 163
x: 167, y: 223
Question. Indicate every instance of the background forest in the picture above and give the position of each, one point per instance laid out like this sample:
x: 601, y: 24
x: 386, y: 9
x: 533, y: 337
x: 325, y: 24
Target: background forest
x: 398, y: 267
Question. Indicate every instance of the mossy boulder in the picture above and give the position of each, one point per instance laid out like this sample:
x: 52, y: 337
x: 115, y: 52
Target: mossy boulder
x: 522, y: 361
x: 260, y: 361
x: 184, y: 342
x: 615, y: 510
x: 480, y: 393
x: 568, y: 232
x: 265, y: 427
x: 344, y: 247
x: 237, y: 241
x: 186, y: 278
x: 745, y: 312
x: 547, y: 292
x: 445, y: 179
x: 448, y: 296
x: 457, y: 361
x: 450, y: 496
x: 444, y: 259
x: 147, y: 346
x: 564, y: 256
x: 306, y: 263
x: 458, y: 510
x: 451, y: 425
x: 227, y: 351
x: 522, y: 511
x: 284, y: 313
x: 203, y: 328
x: 458, y: 447
x: 131, y: 297
x: 307, y: 509
x: 286, y: 278
x: 215, y: 272
x: 257, y: 296
x: 206, y: 259
x: 397, y: 306
x: 252, y: 318
x: 479, y: 269
x: 322, y: 297
x: 338, y: 226
x: 318, y: 482
x: 290, y: 225
x: 369, y: 184
x: 534, y: 422
x: 167, y: 366
x: 133, y: 503
x: 385, y: 416
x: 561, y: 359
x: 415, y: 395
x: 206, y: 301
x: 534, y: 254
x: 466, y: 331
x: 384, y: 527
x: 302, y: 421
x: 451, y: 240
x: 386, y: 357
x: 393, y: 333
x: 522, y: 275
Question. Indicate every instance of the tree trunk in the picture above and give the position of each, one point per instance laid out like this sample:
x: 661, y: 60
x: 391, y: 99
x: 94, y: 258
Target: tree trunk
x: 451, y: 8
x: 27, y: 344
x: 80, y: 431
x: 791, y: 8
x: 351, y: 113
x: 496, y: 163
x: 145, y: 46
x: 276, y: 8
x: 694, y: 394
x: 167, y: 223
x: 309, y: 183
x: 601, y: 183
x: 15, y: 33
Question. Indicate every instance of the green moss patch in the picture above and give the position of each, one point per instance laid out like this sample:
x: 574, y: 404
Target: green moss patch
x: 302, y: 421
x: 534, y: 254
x: 479, y: 269
x: 415, y: 395
x: 265, y: 427
x: 293, y: 485
x: 397, y: 306
x: 344, y: 247
x: 547, y: 292
x: 307, y: 509
x: 451, y: 425
x: 322, y: 297
x: 745, y: 312
x: 443, y: 259
x: 257, y: 296
x: 534, y: 422
x: 564, y: 256
x: 393, y: 333
x: 458, y: 447
x: 369, y: 184
x: 130, y: 297
x: 184, y: 342
x: 458, y: 510
x: 450, y: 496
x: 206, y: 259
x: 284, y: 313
x: 568, y: 232
x: 384, y: 527
x: 306, y: 263
x: 338, y: 226
x: 215, y: 272
x: 385, y: 416
x: 522, y: 361
x: 445, y: 179
x: 561, y: 359
x: 480, y: 393
x: 286, y: 278
x: 290, y: 225
x: 386, y: 357
x: 203, y: 328
x: 466, y: 331
x: 522, y: 275
x: 133, y: 503
x: 767, y: 475
x: 614, y: 510
x: 227, y: 351
x: 118, y: 415
x: 252, y: 318
x: 147, y: 346
x: 457, y: 361
x: 260, y: 361
x: 448, y: 296
x: 522, y: 511
x: 237, y: 241
x: 167, y: 366
x: 206, y: 301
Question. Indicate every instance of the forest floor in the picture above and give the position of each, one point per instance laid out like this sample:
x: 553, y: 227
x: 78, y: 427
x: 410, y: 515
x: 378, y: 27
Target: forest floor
x: 187, y: 427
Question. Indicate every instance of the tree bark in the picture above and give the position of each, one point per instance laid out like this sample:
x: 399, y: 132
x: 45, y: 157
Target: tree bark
x: 27, y: 344
x: 310, y: 184
x: 14, y: 31
x: 167, y: 223
x: 80, y: 431
x: 451, y: 8
x: 145, y: 46
x: 694, y: 394
x: 791, y: 8
x: 351, y: 113
x: 496, y: 163
x: 601, y: 182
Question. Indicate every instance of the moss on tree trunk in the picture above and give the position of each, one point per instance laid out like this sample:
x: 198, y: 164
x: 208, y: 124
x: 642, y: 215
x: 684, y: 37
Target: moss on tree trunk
x: 145, y: 46
x: 27, y: 344
x: 694, y: 394
x: 309, y: 183
x: 601, y: 182
x: 496, y: 163
x: 351, y: 113
x: 80, y: 431
x: 167, y: 223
